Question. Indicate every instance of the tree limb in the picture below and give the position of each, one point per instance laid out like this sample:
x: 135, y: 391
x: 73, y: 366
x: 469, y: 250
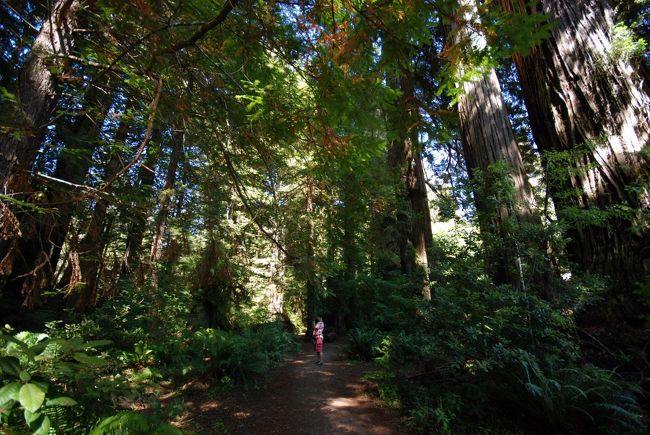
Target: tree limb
x: 147, y: 136
x: 201, y: 32
x: 242, y: 195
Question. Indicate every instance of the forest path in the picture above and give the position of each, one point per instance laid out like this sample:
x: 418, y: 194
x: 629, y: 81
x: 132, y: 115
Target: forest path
x: 301, y: 398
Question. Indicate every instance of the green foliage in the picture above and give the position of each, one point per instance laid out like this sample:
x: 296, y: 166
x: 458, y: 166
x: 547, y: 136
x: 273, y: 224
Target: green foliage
x: 142, y: 355
x: 480, y: 37
x: 424, y: 416
x: 364, y: 344
x: 564, y: 167
x: 625, y: 45
x: 132, y: 423
x: 386, y: 387
x: 242, y: 357
x: 35, y: 370
x: 284, y: 113
x: 474, y: 352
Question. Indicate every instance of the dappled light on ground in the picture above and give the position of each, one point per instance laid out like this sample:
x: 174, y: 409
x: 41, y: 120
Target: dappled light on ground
x: 300, y: 398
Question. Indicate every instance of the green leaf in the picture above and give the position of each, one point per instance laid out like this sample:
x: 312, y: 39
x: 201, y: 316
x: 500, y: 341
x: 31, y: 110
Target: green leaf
x: 75, y: 343
x: 39, y: 423
x: 90, y: 360
x: 40, y: 347
x: 43, y: 427
x: 61, y: 401
x: 24, y: 376
x: 31, y: 397
x: 21, y: 344
x: 10, y: 365
x: 96, y: 343
x: 14, y: 340
x: 9, y: 392
x: 67, y: 368
x: 31, y: 417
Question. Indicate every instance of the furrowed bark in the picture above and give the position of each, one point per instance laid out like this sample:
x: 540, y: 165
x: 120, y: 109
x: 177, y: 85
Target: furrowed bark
x: 593, y: 108
x: 404, y: 158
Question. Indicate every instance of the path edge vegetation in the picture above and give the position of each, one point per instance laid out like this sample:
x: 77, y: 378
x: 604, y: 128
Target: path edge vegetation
x: 461, y: 187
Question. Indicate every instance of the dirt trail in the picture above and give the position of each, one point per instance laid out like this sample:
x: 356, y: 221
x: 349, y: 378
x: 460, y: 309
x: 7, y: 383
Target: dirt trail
x: 303, y: 398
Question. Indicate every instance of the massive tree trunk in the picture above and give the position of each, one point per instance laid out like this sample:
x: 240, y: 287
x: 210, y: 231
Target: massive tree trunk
x: 488, y: 139
x: 36, y: 92
x: 404, y: 158
x: 589, y: 115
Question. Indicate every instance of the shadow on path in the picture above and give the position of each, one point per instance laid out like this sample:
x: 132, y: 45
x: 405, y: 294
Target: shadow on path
x: 304, y: 398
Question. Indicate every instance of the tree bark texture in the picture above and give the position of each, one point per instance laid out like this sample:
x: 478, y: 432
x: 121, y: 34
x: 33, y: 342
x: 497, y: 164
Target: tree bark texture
x: 29, y: 267
x: 91, y: 247
x: 594, y: 108
x: 487, y: 139
x: 36, y: 92
x: 404, y: 158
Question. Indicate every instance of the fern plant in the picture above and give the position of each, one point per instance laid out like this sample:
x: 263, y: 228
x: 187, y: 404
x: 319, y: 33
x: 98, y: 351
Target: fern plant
x: 132, y: 423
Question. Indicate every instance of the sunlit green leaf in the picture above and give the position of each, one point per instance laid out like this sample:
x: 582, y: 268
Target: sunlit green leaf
x: 31, y: 397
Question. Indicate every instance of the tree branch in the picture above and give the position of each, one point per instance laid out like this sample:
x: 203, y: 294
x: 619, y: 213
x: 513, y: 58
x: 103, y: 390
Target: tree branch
x: 242, y: 195
x: 147, y: 136
x: 205, y: 28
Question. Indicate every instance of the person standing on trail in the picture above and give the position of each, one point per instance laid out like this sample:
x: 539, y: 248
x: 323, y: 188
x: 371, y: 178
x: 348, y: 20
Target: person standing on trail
x: 317, y: 332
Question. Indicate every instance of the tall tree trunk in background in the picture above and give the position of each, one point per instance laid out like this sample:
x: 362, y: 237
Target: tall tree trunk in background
x: 349, y: 222
x: 133, y: 252
x: 404, y: 158
x: 44, y: 235
x: 592, y: 109
x: 487, y: 139
x: 165, y: 202
x: 91, y: 246
x: 275, y: 290
x: 310, y: 261
x: 36, y: 96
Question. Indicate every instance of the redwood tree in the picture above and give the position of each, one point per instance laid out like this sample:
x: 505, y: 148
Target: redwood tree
x: 404, y: 156
x: 36, y: 93
x: 589, y: 108
x: 488, y: 140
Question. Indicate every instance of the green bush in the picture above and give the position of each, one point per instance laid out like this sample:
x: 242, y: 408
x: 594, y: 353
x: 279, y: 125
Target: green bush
x: 39, y: 374
x: 468, y: 356
x: 242, y: 356
x: 364, y: 344
x: 132, y: 423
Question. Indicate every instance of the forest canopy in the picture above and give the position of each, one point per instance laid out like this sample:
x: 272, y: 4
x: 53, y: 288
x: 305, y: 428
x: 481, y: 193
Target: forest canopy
x: 459, y: 187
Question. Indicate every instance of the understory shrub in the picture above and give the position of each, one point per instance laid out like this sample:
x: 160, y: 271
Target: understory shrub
x: 80, y: 377
x: 364, y: 344
x: 49, y: 384
x: 132, y: 423
x: 502, y: 359
x: 243, y: 357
